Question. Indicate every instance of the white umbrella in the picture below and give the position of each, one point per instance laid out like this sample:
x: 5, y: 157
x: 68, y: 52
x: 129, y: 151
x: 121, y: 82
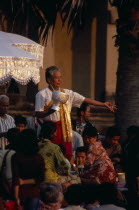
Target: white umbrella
x: 20, y: 64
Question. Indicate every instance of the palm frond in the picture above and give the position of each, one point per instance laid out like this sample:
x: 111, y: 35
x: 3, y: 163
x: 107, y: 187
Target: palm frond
x: 72, y: 10
x: 21, y: 15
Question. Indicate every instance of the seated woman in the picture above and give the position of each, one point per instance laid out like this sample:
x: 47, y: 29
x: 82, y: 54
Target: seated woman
x: 98, y: 166
x: 55, y: 163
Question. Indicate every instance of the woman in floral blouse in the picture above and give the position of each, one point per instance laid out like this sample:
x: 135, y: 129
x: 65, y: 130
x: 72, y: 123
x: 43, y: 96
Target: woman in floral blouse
x: 98, y: 166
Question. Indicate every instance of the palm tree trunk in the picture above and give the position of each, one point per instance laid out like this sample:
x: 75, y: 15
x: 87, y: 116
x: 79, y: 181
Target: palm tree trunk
x: 127, y: 92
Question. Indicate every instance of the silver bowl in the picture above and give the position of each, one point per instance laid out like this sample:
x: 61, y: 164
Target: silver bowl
x: 59, y: 97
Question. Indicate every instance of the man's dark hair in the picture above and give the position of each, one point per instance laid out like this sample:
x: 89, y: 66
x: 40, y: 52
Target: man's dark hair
x: 12, y: 136
x: 74, y: 194
x: 113, y: 131
x: 133, y: 131
x: 90, y: 131
x: 48, y: 128
x: 82, y: 108
x: 49, y: 72
x: 107, y: 193
x: 81, y: 149
x: 19, y: 119
x: 90, y: 192
x: 27, y: 143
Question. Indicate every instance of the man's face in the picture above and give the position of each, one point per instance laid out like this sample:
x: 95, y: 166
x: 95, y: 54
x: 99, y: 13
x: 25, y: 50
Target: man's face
x: 81, y: 157
x: 56, y: 79
x: 113, y: 140
x: 4, y: 105
x: 86, y: 114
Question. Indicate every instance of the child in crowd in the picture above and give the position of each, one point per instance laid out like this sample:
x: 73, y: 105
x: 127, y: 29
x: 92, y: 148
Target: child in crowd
x: 81, y: 154
x: 20, y: 122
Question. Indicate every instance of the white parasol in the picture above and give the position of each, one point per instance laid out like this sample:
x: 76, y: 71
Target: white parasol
x: 20, y: 58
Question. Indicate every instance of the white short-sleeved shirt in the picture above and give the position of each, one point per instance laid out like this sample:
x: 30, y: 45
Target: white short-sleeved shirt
x: 6, y: 123
x: 44, y: 97
x: 77, y: 141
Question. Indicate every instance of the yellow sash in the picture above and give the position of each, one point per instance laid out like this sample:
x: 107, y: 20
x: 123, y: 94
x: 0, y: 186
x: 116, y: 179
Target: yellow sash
x: 47, y: 107
x: 65, y: 120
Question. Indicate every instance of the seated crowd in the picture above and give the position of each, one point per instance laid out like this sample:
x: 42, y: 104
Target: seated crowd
x: 35, y: 173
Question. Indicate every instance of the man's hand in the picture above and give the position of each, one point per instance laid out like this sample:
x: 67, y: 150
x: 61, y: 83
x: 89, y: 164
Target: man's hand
x: 110, y: 106
x: 56, y: 107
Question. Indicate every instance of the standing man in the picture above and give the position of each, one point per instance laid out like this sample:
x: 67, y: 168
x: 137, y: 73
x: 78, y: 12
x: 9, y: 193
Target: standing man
x: 45, y: 107
x: 6, y: 121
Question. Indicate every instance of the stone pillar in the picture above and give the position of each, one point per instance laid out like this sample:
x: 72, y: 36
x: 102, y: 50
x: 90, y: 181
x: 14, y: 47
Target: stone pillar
x: 49, y: 60
x: 111, y: 63
x: 93, y: 58
x: 111, y: 55
x: 63, y: 52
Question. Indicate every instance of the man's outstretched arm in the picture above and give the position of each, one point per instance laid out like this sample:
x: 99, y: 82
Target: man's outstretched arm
x: 110, y: 106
